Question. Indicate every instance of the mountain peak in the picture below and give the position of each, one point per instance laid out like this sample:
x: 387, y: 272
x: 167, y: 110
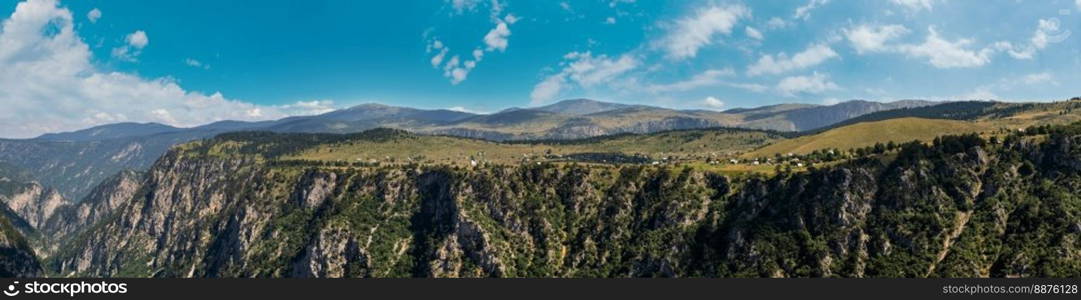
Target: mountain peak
x: 110, y: 131
x: 371, y: 105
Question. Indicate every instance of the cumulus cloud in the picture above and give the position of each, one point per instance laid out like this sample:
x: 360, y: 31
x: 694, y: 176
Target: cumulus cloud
x: 781, y: 63
x: 713, y: 103
x: 51, y: 85
x: 804, y: 12
x: 93, y: 15
x: 584, y: 70
x: 694, y: 32
x: 441, y: 52
x: 814, y: 84
x: 137, y: 39
x: 135, y: 42
x: 496, y: 39
x: 870, y: 38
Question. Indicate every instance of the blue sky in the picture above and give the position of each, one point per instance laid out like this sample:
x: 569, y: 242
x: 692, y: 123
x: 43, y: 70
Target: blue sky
x: 73, y: 64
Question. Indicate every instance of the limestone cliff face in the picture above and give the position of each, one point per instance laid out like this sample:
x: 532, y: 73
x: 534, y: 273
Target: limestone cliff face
x: 957, y: 209
x: 34, y: 203
x: 100, y: 203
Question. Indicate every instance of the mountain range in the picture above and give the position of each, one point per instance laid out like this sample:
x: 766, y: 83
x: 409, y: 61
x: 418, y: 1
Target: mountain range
x: 865, y: 190
x: 74, y: 162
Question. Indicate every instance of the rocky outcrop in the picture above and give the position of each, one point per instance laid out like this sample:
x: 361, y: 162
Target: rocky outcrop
x: 960, y: 208
x: 34, y: 203
x: 100, y: 204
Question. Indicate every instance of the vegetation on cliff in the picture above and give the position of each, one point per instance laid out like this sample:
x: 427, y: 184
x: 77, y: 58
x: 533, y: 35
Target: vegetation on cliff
x: 958, y: 206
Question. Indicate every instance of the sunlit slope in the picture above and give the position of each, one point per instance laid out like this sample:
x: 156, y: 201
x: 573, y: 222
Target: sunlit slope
x: 867, y: 134
x: 406, y: 147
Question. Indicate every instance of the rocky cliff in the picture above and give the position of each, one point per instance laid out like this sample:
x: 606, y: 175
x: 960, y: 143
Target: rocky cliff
x: 962, y: 207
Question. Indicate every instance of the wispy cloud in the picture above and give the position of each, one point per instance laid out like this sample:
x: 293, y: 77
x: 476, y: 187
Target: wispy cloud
x: 804, y: 12
x: 691, y: 33
x: 816, y: 83
x: 781, y: 63
x: 582, y: 69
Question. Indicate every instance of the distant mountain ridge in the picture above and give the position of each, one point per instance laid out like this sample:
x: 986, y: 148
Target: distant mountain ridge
x: 74, y: 162
x: 514, y: 123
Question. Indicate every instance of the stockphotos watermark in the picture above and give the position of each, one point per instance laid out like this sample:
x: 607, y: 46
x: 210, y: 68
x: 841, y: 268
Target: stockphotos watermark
x: 71, y: 289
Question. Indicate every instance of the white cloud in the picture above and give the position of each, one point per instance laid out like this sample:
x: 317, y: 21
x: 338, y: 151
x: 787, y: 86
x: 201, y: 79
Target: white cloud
x: 547, y: 89
x: 868, y: 38
x: 980, y: 93
x: 753, y: 87
x: 496, y: 39
x: 511, y: 19
x: 313, y: 107
x: 463, y: 5
x: 137, y: 39
x: 1038, y: 78
x: 1078, y: 4
x: 196, y: 63
x: 1033, y: 81
x: 1047, y: 32
x: 775, y: 23
x: 830, y: 101
x: 438, y: 58
x: 915, y: 5
x: 814, y: 84
x: 814, y: 55
x: 708, y: 78
x: 692, y: 33
x: 944, y: 54
x: 610, y: 20
x: 585, y: 70
x: 50, y: 84
x: 93, y: 15
x: 478, y: 55
x: 712, y: 102
x: 804, y: 12
x: 754, y: 33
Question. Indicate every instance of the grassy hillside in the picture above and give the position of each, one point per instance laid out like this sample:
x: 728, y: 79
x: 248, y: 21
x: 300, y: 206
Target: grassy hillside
x: 407, y: 148
x: 867, y: 134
